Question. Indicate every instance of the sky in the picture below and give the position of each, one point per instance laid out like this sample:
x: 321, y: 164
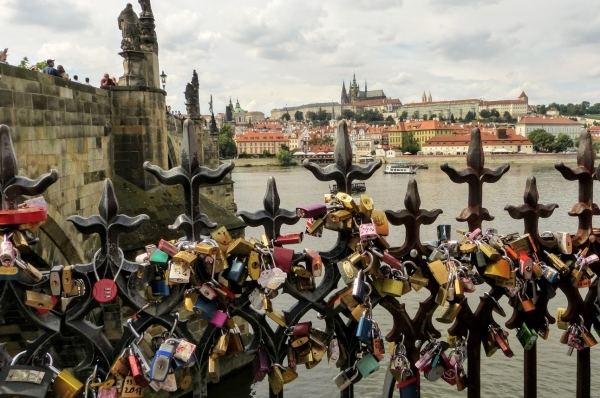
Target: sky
x: 274, y: 53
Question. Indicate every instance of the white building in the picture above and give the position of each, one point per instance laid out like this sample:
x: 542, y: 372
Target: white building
x: 553, y: 125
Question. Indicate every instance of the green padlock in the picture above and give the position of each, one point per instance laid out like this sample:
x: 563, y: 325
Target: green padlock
x: 527, y: 337
x: 367, y: 365
x: 159, y: 258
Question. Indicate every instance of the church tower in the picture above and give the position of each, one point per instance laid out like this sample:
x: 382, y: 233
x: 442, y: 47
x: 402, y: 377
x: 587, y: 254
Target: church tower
x: 365, y: 96
x: 429, y: 99
x: 354, y: 90
x: 345, y: 100
x: 424, y: 97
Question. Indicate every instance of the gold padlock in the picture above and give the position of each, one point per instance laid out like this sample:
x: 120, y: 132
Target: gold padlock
x: 221, y: 236
x: 20, y: 243
x: 366, y: 206
x: 38, y: 300
x: 418, y: 280
x: 220, y: 347
x: 440, y: 297
x: 319, y: 337
x: 509, y: 283
x: 185, y: 258
x: 468, y: 247
x: 378, y: 285
x: 459, y: 288
x: 559, y: 319
x: 120, y: 367
x: 382, y: 226
x: 277, y: 317
x: 489, y: 251
x: 498, y: 269
x: 439, y: 271
x: 588, y: 339
x: 205, y: 248
x: 358, y: 312
x: 303, y: 354
x: 213, y: 370
x: 67, y: 279
x: 189, y: 300
x: 489, y: 344
x: 338, y: 216
x: 289, y: 375
x: 318, y: 352
x: 276, y: 380
x: 65, y: 385
x: 393, y: 287
x: 522, y: 244
x: 253, y: 261
x: 304, y: 284
x: 448, y: 312
x: 347, y: 201
x: 301, y: 271
x: 240, y: 248
x: 318, y: 223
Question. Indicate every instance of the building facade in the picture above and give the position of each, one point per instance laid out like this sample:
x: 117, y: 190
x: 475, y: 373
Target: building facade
x: 553, y: 125
x: 422, y: 131
x: 518, y: 107
x: 500, y: 140
x: 443, y: 109
x: 255, y: 143
x: 329, y: 107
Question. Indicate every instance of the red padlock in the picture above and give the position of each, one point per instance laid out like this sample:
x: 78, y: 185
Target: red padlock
x: 290, y: 239
x: 302, y: 329
x: 105, y: 291
x: 28, y: 215
x: 168, y: 248
x: 316, y: 263
x: 283, y: 258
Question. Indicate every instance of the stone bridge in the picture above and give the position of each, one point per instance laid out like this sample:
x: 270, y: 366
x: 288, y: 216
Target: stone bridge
x: 89, y: 134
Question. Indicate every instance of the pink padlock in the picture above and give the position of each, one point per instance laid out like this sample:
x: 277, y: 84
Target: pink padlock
x: 219, y: 318
x: 112, y: 392
x: 367, y: 231
x: 168, y: 248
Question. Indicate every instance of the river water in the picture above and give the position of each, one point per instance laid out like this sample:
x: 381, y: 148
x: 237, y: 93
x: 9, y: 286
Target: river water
x: 500, y: 376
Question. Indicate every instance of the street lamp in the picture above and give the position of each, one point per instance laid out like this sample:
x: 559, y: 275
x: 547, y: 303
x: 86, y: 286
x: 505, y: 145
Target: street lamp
x: 163, y: 79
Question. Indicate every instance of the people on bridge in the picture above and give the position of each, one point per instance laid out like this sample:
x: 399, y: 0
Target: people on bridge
x: 3, y: 56
x: 76, y: 78
x: 106, y: 81
x: 50, y: 70
x: 62, y: 72
x: 87, y: 81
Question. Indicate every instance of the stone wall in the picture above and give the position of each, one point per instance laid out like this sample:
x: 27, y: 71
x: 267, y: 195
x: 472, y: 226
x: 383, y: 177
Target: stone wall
x: 63, y: 125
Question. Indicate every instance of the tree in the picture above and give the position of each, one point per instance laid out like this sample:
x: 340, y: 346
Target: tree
x: 284, y: 156
x: 507, y: 116
x: 452, y: 120
x: 390, y: 121
x: 596, y: 145
x: 470, y: 116
x: 298, y: 116
x: 25, y: 64
x: 370, y: 115
x: 433, y: 116
x: 267, y: 154
x: 494, y: 113
x: 286, y: 116
x: 484, y: 113
x: 415, y: 115
x: 310, y: 115
x: 410, y: 144
x: 227, y: 145
x: 425, y: 117
x: 403, y: 116
x: 348, y: 114
x: 562, y: 143
x: 541, y: 139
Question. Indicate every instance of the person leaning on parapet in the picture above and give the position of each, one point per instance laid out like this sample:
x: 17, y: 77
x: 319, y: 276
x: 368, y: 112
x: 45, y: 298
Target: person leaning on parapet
x: 62, y: 72
x: 106, y: 81
x: 50, y: 70
x: 3, y: 56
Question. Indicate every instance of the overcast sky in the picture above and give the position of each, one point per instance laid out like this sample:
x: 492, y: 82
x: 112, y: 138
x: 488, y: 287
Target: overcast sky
x: 273, y: 53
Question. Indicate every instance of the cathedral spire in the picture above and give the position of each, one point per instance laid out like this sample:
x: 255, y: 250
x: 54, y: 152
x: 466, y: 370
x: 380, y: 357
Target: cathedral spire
x: 429, y: 99
x: 345, y: 99
x: 424, y: 97
x: 365, y: 88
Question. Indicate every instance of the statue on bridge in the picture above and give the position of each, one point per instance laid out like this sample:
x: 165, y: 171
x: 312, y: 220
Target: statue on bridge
x: 192, y: 97
x: 129, y: 24
x: 146, y: 8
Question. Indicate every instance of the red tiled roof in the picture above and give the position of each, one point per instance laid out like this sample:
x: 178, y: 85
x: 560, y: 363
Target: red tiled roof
x: 261, y: 137
x: 443, y: 102
x: 503, y: 102
x: 487, y: 139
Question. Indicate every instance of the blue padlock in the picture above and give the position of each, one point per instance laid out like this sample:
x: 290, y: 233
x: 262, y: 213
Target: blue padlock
x: 409, y: 388
x: 205, y: 308
x: 237, y: 271
x: 367, y: 365
x: 364, y: 330
x: 161, y: 364
x: 159, y: 285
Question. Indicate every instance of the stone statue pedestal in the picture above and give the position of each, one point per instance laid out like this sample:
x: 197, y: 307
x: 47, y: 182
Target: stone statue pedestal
x: 134, y: 67
x: 152, y: 72
x: 149, y: 45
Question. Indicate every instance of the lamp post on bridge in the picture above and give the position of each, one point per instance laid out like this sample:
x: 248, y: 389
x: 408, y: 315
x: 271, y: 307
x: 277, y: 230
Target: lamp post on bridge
x: 163, y: 79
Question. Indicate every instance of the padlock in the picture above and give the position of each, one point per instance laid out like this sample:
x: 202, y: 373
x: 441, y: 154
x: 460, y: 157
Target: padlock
x: 159, y: 285
x: 24, y: 381
x: 311, y: 211
x: 65, y: 385
x: 213, y: 370
x: 261, y: 364
x: 367, y: 232
x: 205, y: 308
x: 364, y: 330
x: 434, y: 373
x: 359, y: 288
x: 346, y: 378
x: 20, y: 242
x: 382, y: 226
x: 576, y: 274
x: 317, y: 352
x: 278, y: 318
x: 441, y: 296
x: 39, y: 300
x: 347, y: 267
x: 185, y: 351
x: 254, y: 269
x: 237, y: 271
x: 347, y: 201
x: 509, y: 283
x: 461, y: 377
x: 240, y: 248
x: 120, y: 366
x: 301, y: 271
x: 290, y: 239
x: 221, y: 236
x: 409, y: 388
x: 276, y: 380
x: 522, y: 244
x: 159, y: 258
x: 525, y: 266
x: 526, y: 303
x: 489, y: 251
x: 563, y: 242
x: 66, y: 279
x: 314, y: 262
x: 206, y: 249
x: 283, y: 258
x: 167, y: 247
x: 439, y: 271
x: 136, y: 370
x: 289, y: 375
x: 367, y: 365
x: 560, y: 323
x: 498, y: 269
x: 393, y: 287
x: 550, y: 274
x: 208, y: 292
x: 178, y: 273
x: 489, y: 344
x: 314, y: 227
x: 558, y: 263
x: 448, y: 312
x: 501, y: 338
x: 56, y: 279
x: 27, y: 269
x: 161, y: 363
x: 527, y: 337
x: 219, y: 318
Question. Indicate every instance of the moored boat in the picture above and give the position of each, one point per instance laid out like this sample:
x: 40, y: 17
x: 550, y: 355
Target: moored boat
x: 400, y: 168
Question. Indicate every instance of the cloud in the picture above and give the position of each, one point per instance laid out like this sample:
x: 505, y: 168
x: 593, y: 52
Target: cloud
x: 375, y: 5
x: 63, y: 16
x: 463, y: 3
x: 474, y: 45
x: 595, y: 73
x: 402, y: 78
x: 582, y: 35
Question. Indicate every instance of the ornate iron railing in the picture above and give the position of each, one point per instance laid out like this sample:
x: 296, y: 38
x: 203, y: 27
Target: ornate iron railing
x: 83, y: 319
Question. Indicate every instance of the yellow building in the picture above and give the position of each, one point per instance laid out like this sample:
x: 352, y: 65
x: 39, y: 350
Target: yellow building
x: 421, y: 131
x: 254, y: 143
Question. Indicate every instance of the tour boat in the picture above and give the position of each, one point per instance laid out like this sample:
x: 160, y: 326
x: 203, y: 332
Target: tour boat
x: 400, y: 168
x: 356, y: 187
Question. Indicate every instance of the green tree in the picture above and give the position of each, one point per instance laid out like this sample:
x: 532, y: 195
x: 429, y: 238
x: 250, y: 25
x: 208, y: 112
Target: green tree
x: 452, y: 120
x: 484, y: 113
x: 298, y: 116
x: 310, y: 115
x: 596, y: 145
x: 25, y: 64
x: 433, y: 116
x: 370, y: 115
x: 425, y: 117
x: 227, y: 145
x: 348, y: 114
x: 284, y: 156
x: 410, y: 144
x: 541, y: 139
x: 494, y: 113
x: 390, y: 121
x: 507, y: 116
x: 286, y: 116
x: 415, y: 115
x: 470, y: 116
x: 562, y: 143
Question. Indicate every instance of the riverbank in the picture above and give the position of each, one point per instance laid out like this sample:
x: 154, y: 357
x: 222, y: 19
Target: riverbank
x: 440, y: 159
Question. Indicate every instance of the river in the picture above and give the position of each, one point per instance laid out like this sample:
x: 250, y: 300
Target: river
x: 500, y: 376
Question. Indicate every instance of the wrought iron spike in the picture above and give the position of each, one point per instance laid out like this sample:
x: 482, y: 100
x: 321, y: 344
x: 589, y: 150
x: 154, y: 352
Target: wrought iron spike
x: 11, y: 184
x: 108, y: 225
x: 531, y: 211
x: 343, y: 172
x: 190, y: 175
x: 412, y: 218
x: 272, y: 217
x: 475, y: 174
x: 585, y: 209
